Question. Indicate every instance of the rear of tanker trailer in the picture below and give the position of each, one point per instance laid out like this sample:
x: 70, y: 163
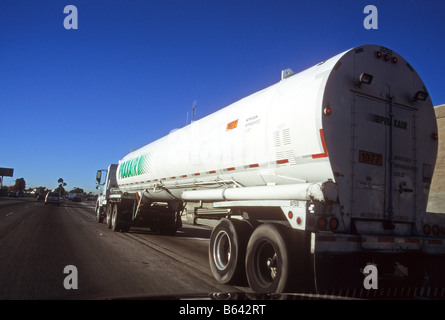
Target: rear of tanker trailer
x: 378, y: 134
x: 381, y: 136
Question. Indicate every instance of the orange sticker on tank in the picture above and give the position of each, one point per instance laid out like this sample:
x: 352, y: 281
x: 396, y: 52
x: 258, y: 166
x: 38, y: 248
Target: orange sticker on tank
x: 232, y: 125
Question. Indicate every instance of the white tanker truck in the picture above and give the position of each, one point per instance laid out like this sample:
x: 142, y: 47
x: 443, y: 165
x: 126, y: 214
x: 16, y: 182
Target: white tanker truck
x: 321, y: 174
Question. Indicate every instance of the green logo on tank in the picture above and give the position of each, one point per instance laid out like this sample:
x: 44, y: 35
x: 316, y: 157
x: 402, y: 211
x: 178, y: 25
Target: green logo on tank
x: 135, y: 167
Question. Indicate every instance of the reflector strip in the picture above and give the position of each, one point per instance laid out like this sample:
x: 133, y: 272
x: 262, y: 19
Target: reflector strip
x: 412, y: 240
x: 358, y: 239
x: 327, y: 238
x: 240, y: 168
x: 385, y: 239
x: 323, y: 143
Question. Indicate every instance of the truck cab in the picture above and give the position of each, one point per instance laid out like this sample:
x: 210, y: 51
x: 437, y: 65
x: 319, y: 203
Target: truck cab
x: 105, y: 186
x: 121, y: 209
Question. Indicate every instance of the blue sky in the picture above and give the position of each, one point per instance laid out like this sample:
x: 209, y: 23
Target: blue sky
x: 74, y: 101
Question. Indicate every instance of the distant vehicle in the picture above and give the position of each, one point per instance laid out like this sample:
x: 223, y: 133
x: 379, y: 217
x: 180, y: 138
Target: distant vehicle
x: 20, y: 193
x: 73, y: 195
x: 52, y: 197
x: 40, y: 197
x: 12, y: 194
x: 77, y: 198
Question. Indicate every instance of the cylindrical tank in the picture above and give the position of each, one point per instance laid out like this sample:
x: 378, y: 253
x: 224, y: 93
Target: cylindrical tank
x: 301, y: 130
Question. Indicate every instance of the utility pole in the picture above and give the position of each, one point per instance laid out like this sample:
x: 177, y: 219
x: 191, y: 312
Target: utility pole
x: 193, y: 110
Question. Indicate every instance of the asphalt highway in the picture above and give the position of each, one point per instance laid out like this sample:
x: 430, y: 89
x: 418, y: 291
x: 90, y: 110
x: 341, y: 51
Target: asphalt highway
x: 61, y: 252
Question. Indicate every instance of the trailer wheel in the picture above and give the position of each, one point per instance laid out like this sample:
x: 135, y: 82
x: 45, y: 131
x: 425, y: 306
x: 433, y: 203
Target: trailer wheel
x: 269, y: 262
x: 99, y: 216
x: 227, y: 250
x: 119, y: 219
x: 116, y: 219
x: 108, y: 216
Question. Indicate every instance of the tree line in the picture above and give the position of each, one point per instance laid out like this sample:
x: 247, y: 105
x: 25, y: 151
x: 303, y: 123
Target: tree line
x: 20, y: 185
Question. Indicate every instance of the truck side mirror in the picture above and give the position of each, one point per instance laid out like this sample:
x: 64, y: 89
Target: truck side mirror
x: 98, y: 176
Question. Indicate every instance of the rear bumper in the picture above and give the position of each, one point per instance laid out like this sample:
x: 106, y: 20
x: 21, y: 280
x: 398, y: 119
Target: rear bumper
x: 402, y: 262
x: 330, y: 243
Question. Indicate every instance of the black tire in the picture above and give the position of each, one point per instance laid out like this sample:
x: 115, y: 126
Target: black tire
x: 108, y: 216
x: 99, y: 216
x: 270, y: 265
x: 119, y: 221
x: 168, y: 224
x: 116, y: 218
x: 227, y: 250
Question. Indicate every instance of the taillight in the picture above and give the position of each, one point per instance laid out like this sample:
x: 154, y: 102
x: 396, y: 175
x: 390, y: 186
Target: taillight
x: 333, y: 224
x: 436, y: 230
x: 299, y: 221
x: 426, y: 229
x: 387, y: 57
x: 322, y: 223
x: 290, y: 215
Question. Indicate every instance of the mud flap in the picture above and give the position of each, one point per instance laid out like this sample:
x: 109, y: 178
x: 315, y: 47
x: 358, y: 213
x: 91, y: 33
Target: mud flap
x: 435, y: 272
x: 336, y: 272
x: 399, y: 275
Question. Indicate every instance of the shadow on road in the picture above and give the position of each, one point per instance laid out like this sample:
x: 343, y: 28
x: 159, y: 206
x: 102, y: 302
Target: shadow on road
x: 78, y: 204
x: 185, y: 232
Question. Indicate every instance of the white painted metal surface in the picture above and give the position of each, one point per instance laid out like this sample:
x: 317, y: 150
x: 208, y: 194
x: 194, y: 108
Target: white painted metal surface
x: 273, y: 137
x: 302, y: 191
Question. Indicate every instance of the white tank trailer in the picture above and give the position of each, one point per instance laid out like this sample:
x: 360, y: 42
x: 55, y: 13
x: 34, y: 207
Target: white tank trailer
x: 321, y: 174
